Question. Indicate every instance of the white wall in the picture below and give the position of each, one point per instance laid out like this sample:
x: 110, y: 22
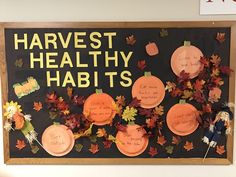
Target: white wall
x: 106, y: 10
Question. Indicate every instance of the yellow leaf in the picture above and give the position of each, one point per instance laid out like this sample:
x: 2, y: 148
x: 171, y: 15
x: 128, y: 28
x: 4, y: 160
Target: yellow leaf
x: 101, y: 132
x: 129, y: 114
x: 159, y: 110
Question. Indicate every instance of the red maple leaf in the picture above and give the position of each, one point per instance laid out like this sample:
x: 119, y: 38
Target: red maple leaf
x: 135, y: 103
x: 107, y: 144
x: 94, y: 148
x: 176, y: 140
x: 51, y: 98
x: 220, y: 150
x: 78, y: 100
x: 198, y: 85
x: 199, y: 97
x: 20, y: 144
x: 161, y: 140
x: 120, y: 127
x: 183, y: 76
x: 176, y: 92
x: 145, y: 112
x: 141, y: 64
x: 225, y: 70
x: 38, y: 106
x: 152, y: 151
x: 151, y: 123
x: 188, y: 146
x: 205, y: 61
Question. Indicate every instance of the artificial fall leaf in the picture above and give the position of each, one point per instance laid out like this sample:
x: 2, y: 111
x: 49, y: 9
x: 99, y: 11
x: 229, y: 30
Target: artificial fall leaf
x: 38, y: 106
x: 198, y: 85
x: 183, y: 77
x: 161, y: 140
x: 176, y: 92
x: 112, y: 138
x: 225, y: 70
x: 169, y: 149
x: 199, y: 97
x: 66, y: 112
x: 118, y: 109
x: 69, y: 91
x: 145, y: 112
x: 19, y: 63
x: 215, y: 72
x: 53, y: 115
x: 141, y: 65
x: 170, y: 86
x: 130, y: 40
x: 189, y: 85
x: 20, y: 144
x: 188, y: 146
x: 220, y: 37
x: 120, y: 100
x: 93, y: 138
x: 51, y: 98
x: 205, y: 62
x: 120, y: 127
x: 151, y: 123
x: 78, y: 100
x: 152, y: 151
x: 163, y: 33
x: 78, y: 147
x: 135, y: 103
x: 101, y: 132
x: 220, y: 150
x: 214, y: 95
x: 159, y: 110
x: 206, y: 108
x: 94, y: 148
x: 176, y: 140
x: 218, y: 81
x: 215, y: 60
x: 107, y: 144
x: 129, y: 114
x: 187, y: 94
x: 34, y: 149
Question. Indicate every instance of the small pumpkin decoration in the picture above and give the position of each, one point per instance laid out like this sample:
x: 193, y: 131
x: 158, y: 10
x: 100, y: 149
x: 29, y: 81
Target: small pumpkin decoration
x: 187, y: 58
x: 182, y: 119
x: 132, y: 142
x: 149, y: 89
x: 99, y: 108
x: 152, y: 49
x: 19, y: 120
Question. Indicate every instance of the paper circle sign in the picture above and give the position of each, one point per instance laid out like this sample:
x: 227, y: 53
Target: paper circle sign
x: 99, y: 108
x: 58, y: 140
x: 182, y: 119
x: 187, y: 58
x: 150, y: 90
x: 132, y: 142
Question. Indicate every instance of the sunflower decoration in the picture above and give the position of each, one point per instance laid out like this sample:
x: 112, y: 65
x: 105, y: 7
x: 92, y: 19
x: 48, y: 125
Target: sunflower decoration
x: 11, y: 108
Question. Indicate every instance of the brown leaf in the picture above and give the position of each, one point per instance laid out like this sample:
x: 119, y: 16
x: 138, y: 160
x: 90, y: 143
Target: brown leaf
x: 187, y: 94
x: 135, y: 103
x: 130, y: 40
x: 151, y: 123
x: 161, y: 140
x: 205, y: 61
x: 69, y: 91
x: 38, y: 106
x: 159, y: 110
x: 170, y: 86
x: 152, y: 151
x: 20, y: 144
x: 176, y: 92
x: 220, y: 150
x: 215, y: 60
x: 94, y: 148
x: 120, y: 100
x: 220, y: 37
x: 141, y: 65
x: 183, y: 77
x: 107, y: 144
x: 198, y: 85
x: 101, y: 132
x: 176, y: 140
x: 188, y: 146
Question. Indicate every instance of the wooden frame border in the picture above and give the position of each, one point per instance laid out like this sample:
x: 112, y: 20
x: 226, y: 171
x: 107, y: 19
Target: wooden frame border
x: 118, y: 161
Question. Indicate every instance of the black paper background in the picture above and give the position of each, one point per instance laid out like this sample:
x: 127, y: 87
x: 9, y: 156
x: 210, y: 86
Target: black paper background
x: 203, y: 38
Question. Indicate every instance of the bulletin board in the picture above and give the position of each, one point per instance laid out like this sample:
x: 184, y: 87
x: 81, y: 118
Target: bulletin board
x: 117, y: 93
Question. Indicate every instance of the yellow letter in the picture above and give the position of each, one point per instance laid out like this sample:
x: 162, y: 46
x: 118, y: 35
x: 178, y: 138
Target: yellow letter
x: 110, y: 35
x: 129, y: 81
x: 36, y: 42
x: 63, y: 42
x: 111, y: 76
x: 78, y: 64
x: 66, y: 60
x: 85, y: 78
x: 33, y: 59
x: 50, y: 60
x: 107, y: 58
x: 126, y: 58
x: 55, y: 79
x: 17, y: 41
x: 68, y: 79
x: 95, y: 40
x: 52, y: 41
x: 95, y: 79
x: 95, y: 57
x: 77, y: 40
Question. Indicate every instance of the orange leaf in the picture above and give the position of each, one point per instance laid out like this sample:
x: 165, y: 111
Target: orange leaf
x: 220, y: 37
x: 188, y: 146
x: 120, y: 100
x: 152, y: 151
x: 151, y: 123
x: 38, y: 106
x: 220, y: 150
x: 20, y: 144
x: 176, y: 140
x: 161, y: 140
x: 94, y: 148
x: 130, y: 40
x: 215, y: 59
x: 69, y: 91
x: 198, y: 85
x: 101, y: 132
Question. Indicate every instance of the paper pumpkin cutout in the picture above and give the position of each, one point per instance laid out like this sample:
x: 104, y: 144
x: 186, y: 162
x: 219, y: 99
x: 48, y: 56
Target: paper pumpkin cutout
x: 58, y: 140
x: 181, y: 119
x: 19, y: 120
x: 187, y: 58
x: 132, y: 142
x: 150, y: 90
x: 152, y: 49
x: 99, y: 108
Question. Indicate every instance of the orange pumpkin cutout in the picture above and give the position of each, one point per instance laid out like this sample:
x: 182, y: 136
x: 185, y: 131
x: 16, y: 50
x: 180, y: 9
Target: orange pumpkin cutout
x: 150, y: 90
x: 152, y: 49
x: 132, y: 142
x: 187, y: 58
x: 181, y: 119
x: 58, y: 140
x: 99, y: 108
x: 19, y: 120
